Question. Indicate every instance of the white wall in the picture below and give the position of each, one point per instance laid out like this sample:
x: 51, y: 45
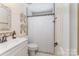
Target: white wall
x: 73, y: 30
x: 43, y: 7
x: 62, y: 28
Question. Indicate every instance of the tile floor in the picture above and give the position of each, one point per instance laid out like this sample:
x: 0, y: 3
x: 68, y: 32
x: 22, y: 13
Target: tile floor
x: 42, y: 54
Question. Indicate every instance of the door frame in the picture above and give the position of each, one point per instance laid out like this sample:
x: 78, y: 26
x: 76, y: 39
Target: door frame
x: 78, y: 29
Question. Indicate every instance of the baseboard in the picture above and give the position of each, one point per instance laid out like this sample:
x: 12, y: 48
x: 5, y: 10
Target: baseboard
x: 46, y: 52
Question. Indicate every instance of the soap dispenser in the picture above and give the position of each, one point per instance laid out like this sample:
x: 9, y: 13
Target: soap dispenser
x: 14, y: 35
x: 0, y: 40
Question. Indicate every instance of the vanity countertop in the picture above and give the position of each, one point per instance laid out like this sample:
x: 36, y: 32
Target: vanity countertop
x: 4, y: 47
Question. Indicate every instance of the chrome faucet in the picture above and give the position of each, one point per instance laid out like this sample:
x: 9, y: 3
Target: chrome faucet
x: 3, y: 39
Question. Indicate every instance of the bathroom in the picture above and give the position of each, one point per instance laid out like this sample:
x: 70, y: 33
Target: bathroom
x: 38, y: 29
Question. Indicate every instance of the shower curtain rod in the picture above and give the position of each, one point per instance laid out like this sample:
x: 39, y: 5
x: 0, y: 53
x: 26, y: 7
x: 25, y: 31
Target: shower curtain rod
x: 41, y: 15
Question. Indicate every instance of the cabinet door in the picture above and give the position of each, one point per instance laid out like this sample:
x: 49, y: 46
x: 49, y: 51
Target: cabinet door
x: 19, y: 50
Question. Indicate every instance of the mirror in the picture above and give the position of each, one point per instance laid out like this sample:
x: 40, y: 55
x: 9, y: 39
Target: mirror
x: 5, y: 18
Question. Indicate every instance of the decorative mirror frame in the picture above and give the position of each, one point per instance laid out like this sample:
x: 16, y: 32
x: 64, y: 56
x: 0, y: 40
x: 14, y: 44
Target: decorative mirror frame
x: 8, y: 23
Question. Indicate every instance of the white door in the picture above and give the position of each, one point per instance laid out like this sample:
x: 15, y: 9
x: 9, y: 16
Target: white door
x: 41, y: 31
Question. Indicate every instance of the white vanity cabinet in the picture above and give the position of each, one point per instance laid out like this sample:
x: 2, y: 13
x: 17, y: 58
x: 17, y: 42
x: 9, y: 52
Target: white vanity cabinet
x: 19, y: 49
